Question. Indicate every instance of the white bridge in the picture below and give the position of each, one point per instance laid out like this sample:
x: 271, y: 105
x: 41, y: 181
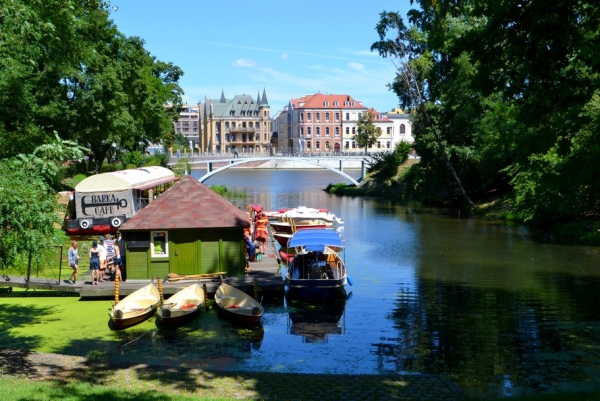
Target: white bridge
x: 324, y: 162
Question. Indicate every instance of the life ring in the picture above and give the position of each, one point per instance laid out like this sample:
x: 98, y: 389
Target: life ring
x: 115, y: 222
x: 84, y: 224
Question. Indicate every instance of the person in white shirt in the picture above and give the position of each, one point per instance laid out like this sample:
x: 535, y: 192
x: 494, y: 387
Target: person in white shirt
x: 103, y: 259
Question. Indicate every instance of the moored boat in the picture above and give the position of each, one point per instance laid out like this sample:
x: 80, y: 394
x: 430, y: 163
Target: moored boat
x: 182, y: 306
x: 236, y: 305
x: 318, y: 269
x: 136, y: 307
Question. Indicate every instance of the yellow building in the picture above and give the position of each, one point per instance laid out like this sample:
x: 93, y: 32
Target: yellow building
x: 241, y: 125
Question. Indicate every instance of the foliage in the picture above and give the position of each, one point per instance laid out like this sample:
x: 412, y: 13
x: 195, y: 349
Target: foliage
x: 28, y: 207
x: 502, y: 97
x: 384, y: 166
x: 64, y: 66
x: 366, y: 132
x: 182, y: 167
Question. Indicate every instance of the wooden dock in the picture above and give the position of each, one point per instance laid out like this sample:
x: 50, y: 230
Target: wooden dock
x: 266, y: 274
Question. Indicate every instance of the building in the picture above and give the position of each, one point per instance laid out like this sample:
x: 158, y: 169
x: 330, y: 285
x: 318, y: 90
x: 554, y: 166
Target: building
x: 402, y: 130
x: 189, y: 124
x: 326, y: 123
x: 241, y: 124
x: 188, y: 229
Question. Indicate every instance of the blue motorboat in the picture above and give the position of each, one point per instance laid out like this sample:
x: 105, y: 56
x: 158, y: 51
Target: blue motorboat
x: 318, y: 271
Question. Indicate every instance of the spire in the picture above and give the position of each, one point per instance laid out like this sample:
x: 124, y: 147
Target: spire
x: 222, y: 97
x: 264, y: 100
x: 258, y: 98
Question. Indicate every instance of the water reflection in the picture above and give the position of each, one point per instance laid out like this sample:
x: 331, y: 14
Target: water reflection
x: 315, y: 322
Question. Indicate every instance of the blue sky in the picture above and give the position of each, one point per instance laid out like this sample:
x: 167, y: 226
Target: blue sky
x: 288, y: 48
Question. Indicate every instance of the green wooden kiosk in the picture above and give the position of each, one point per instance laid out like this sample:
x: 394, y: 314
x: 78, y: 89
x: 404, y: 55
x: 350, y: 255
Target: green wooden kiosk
x: 188, y: 229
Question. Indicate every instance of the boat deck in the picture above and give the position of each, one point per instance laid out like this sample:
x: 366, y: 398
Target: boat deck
x: 265, y: 273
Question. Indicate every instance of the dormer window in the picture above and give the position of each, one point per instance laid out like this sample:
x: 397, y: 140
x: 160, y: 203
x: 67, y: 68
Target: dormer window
x: 326, y: 103
x: 336, y: 103
x: 351, y: 103
x: 346, y: 103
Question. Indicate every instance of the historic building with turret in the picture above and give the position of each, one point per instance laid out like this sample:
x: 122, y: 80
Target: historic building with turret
x: 241, y: 124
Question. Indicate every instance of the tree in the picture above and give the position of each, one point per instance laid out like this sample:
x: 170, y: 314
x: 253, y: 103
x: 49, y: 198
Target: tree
x: 384, y: 166
x: 366, y: 132
x: 425, y: 84
x: 28, y: 207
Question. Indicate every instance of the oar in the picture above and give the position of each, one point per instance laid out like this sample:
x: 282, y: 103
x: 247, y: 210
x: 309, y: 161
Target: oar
x: 172, y: 276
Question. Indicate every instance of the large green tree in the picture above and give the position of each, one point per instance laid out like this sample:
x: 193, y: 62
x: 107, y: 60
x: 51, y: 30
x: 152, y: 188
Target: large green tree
x: 508, y: 90
x: 28, y: 207
x: 64, y: 66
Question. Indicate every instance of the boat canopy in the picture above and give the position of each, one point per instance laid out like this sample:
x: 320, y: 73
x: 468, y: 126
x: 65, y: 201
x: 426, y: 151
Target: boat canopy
x: 303, y: 212
x: 316, y: 239
x: 139, y: 178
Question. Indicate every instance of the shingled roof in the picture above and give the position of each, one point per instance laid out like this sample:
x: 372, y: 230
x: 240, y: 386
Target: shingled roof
x: 188, y: 204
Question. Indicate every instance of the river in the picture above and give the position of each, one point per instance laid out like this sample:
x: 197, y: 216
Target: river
x: 484, y: 303
x: 495, y: 308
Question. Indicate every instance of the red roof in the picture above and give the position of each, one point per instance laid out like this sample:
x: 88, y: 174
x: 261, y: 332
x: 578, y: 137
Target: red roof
x: 188, y: 204
x: 317, y: 101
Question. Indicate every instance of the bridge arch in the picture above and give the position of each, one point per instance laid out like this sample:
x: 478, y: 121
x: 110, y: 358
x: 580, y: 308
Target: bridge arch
x: 237, y: 162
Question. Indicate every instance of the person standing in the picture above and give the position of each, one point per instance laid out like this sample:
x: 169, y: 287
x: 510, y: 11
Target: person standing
x: 117, y: 263
x: 109, y: 244
x: 94, y: 255
x: 120, y: 242
x: 73, y: 261
x: 103, y: 259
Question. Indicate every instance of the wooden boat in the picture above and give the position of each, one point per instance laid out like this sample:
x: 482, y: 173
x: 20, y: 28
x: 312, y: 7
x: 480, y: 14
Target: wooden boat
x: 182, y: 305
x: 303, y: 215
x: 236, y: 305
x: 282, y: 238
x: 318, y: 269
x: 136, y: 307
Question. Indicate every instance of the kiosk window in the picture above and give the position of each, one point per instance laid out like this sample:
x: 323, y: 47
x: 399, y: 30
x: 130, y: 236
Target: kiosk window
x: 160, y: 244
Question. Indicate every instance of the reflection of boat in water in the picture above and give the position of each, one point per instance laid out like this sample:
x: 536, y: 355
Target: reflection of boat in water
x: 314, y: 322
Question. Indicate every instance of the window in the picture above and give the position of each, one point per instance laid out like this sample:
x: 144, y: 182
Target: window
x: 257, y: 136
x: 387, y: 145
x: 347, y: 116
x: 378, y: 144
x: 327, y: 117
x: 218, y: 137
x: 346, y: 103
x: 336, y: 103
x: 301, y: 131
x: 317, y: 116
x: 250, y: 124
x: 308, y: 131
x: 226, y: 137
x: 351, y: 103
x: 233, y: 124
x: 337, y: 116
x: 301, y: 116
x: 227, y: 125
x: 388, y: 130
x: 353, y: 145
x: 326, y: 131
x: 327, y: 146
x: 244, y: 124
x: 160, y: 244
x: 353, y: 130
x: 337, y: 131
x: 318, y: 131
x: 318, y: 145
x: 326, y: 103
x: 347, y: 130
x: 308, y: 116
x: 402, y: 129
x: 265, y: 113
x: 307, y: 145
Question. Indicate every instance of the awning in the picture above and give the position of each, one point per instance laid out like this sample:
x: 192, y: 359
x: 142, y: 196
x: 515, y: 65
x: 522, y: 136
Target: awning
x: 316, y: 237
x: 155, y: 183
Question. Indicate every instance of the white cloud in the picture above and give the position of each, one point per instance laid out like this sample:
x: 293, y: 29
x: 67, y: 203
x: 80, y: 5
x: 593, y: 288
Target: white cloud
x: 356, y: 66
x: 244, y: 63
x: 285, y: 56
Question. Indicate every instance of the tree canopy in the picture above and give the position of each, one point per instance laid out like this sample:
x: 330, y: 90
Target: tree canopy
x: 366, y: 132
x: 509, y: 97
x: 65, y: 67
